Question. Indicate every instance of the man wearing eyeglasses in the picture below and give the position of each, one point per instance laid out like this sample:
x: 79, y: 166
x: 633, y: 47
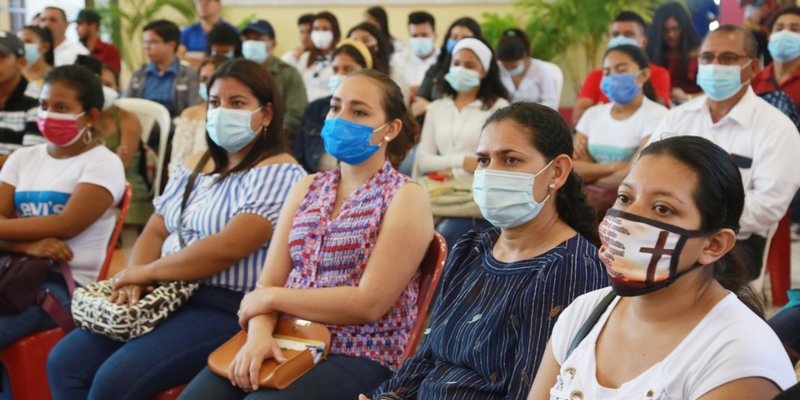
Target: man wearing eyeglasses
x: 762, y: 141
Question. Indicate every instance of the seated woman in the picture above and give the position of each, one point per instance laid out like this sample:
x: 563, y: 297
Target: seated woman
x: 190, y: 127
x: 453, y: 123
x: 673, y: 44
x: 381, y: 48
x: 232, y: 209
x: 680, y: 323
x: 345, y: 254
x: 57, y: 198
x: 527, y: 78
x: 39, y: 56
x: 608, y: 135
x: 350, y: 56
x: 501, y: 292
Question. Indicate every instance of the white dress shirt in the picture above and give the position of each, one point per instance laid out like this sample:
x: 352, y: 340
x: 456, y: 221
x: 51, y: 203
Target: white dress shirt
x: 67, y: 52
x: 449, y: 135
x: 542, y: 84
x: 315, y: 76
x: 413, y: 67
x: 762, y: 141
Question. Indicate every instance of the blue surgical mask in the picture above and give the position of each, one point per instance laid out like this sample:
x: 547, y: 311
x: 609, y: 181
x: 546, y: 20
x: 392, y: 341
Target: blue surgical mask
x: 620, y: 40
x: 784, y: 45
x: 516, y: 71
x: 335, y: 81
x: 421, y: 46
x: 505, y: 198
x: 451, y: 43
x: 620, y: 88
x: 347, y: 141
x: 255, y: 50
x: 463, y: 79
x: 720, y: 82
x: 202, y: 90
x: 230, y: 129
x: 31, y: 52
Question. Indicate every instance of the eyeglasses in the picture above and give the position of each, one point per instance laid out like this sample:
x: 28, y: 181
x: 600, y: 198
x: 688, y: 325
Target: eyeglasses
x: 146, y: 43
x: 724, y: 58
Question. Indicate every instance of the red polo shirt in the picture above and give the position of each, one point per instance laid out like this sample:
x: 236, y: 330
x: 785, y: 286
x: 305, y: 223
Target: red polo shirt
x: 765, y: 82
x: 659, y: 78
x: 107, y: 54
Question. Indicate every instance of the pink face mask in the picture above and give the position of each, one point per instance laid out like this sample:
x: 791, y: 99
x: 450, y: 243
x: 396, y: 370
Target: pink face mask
x: 59, y: 128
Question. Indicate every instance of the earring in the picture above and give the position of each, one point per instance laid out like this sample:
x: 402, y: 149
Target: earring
x: 552, y: 186
x: 87, y: 138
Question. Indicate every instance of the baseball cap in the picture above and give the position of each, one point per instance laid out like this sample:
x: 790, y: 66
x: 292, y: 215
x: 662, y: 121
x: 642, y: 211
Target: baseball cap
x: 11, y: 44
x: 261, y: 27
x: 87, y: 15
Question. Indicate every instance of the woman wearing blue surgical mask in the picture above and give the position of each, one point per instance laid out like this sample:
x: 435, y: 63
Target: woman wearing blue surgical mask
x: 39, y: 55
x: 527, y: 78
x: 503, y: 288
x: 346, y: 254
x: 679, y: 320
x: 219, y: 237
x: 453, y: 125
x: 608, y: 135
x: 350, y: 56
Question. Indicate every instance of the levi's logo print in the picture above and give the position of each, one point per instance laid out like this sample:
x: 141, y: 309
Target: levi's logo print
x: 40, y: 203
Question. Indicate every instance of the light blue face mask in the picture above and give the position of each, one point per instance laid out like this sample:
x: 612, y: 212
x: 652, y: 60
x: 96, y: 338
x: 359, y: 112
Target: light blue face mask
x: 463, y: 79
x: 202, y: 90
x: 620, y: 88
x: 230, y: 129
x: 505, y: 198
x: 720, y: 82
x: 620, y: 40
x: 255, y: 50
x: 229, y: 55
x: 32, y: 52
x: 335, y: 81
x: 421, y: 46
x: 451, y: 43
x: 784, y: 45
x: 516, y: 71
x: 347, y: 141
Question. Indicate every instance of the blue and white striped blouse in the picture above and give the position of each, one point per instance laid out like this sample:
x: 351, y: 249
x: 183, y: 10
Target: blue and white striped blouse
x: 212, y: 204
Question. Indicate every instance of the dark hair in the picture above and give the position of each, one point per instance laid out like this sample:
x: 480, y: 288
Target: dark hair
x: 337, y: 35
x: 394, y: 107
x: 630, y: 16
x: 216, y: 61
x: 224, y: 34
x: 638, y: 56
x: 90, y: 62
x: 466, y: 22
x: 267, y: 143
x: 379, y: 14
x: 61, y: 10
x: 550, y: 135
x: 783, y: 11
x: 514, y: 45
x: 491, y: 88
x: 82, y: 80
x: 305, y: 19
x: 166, y: 30
x: 106, y: 67
x: 719, y: 195
x: 748, y: 40
x: 422, y: 17
x: 380, y: 58
x: 352, y: 52
x: 689, y: 40
x: 45, y: 36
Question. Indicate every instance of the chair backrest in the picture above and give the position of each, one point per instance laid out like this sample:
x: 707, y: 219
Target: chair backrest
x: 555, y: 70
x: 431, y: 270
x: 124, y: 204
x: 150, y: 113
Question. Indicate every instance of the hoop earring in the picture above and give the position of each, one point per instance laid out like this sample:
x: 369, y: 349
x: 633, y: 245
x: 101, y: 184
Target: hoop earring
x: 88, y: 137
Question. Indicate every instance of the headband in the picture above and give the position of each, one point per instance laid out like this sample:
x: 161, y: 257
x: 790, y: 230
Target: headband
x: 481, y: 50
x: 360, y: 47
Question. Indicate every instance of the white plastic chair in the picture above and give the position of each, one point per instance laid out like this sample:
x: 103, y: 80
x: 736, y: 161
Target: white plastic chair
x: 150, y: 113
x: 555, y: 71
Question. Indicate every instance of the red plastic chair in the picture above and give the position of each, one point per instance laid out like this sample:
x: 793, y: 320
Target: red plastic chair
x: 779, y: 262
x: 26, y: 359
x: 430, y: 273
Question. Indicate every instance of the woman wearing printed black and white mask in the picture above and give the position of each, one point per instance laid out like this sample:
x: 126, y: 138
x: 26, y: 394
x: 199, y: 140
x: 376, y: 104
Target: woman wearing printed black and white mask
x: 679, y: 320
x: 226, y: 224
x: 315, y: 65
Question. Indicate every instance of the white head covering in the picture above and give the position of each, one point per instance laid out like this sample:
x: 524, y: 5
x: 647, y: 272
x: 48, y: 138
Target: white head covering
x: 481, y: 50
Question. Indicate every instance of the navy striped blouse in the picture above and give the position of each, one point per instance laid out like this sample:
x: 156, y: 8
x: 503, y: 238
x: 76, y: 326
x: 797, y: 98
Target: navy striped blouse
x: 492, y: 320
x: 212, y: 204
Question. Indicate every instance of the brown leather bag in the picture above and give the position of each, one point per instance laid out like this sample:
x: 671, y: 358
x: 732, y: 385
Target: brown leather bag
x: 275, y: 375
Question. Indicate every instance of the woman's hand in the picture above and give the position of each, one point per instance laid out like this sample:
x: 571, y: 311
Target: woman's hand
x: 130, y: 284
x: 245, y: 368
x: 679, y: 96
x: 419, y: 106
x: 55, y: 249
x: 130, y: 294
x: 255, y: 303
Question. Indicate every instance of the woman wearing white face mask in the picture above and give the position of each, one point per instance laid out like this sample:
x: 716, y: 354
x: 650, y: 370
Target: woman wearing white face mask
x: 56, y: 198
x: 219, y: 236
x: 679, y: 320
x: 315, y: 64
x: 503, y: 288
x: 525, y: 77
x: 473, y: 91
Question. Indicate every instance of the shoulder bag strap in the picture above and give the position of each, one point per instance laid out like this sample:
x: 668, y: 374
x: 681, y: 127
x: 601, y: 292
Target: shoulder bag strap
x: 53, y: 307
x: 187, y: 191
x: 591, y: 321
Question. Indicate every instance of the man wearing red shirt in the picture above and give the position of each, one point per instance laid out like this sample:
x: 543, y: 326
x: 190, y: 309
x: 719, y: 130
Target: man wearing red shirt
x: 88, y: 24
x: 627, y: 28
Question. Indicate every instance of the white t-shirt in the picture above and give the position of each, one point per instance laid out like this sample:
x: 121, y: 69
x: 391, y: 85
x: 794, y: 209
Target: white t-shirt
x: 730, y: 343
x: 67, y: 52
x: 611, y: 139
x: 43, y: 185
x: 542, y: 84
x: 413, y: 68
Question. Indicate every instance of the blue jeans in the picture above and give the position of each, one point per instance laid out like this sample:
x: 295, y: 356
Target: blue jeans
x: 453, y: 228
x: 33, y: 319
x: 786, y: 325
x: 84, y: 365
x: 338, y: 377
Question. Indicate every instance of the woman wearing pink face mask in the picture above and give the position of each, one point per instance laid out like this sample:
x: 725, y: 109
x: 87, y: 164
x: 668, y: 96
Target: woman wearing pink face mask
x: 56, y: 198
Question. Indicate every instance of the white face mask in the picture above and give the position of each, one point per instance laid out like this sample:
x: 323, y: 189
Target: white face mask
x: 109, y: 97
x: 505, y: 198
x: 322, y: 39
